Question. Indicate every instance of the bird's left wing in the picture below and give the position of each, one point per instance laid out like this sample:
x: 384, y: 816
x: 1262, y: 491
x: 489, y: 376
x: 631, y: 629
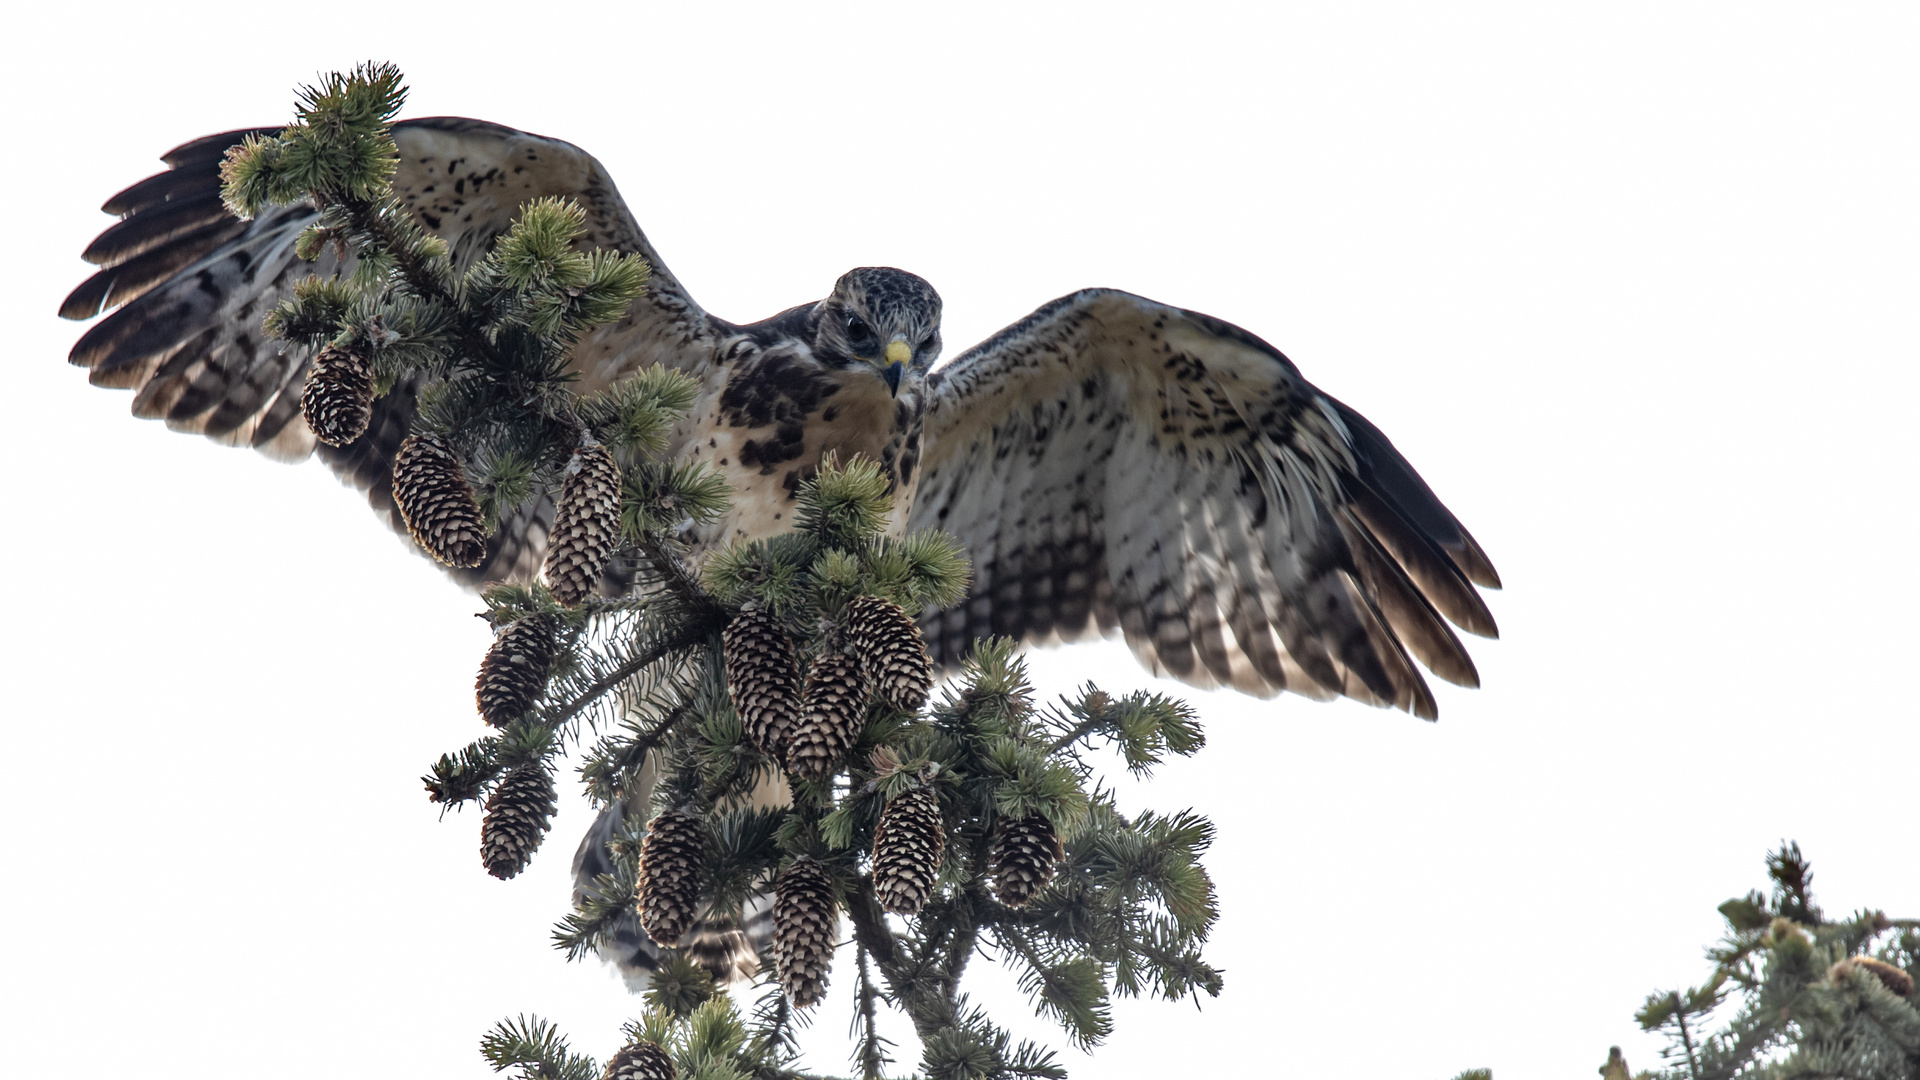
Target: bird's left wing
x: 192, y: 284
x: 1111, y: 463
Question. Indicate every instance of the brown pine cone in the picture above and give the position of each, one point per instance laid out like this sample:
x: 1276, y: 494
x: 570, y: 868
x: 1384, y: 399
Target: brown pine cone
x: 514, y: 673
x: 805, y: 923
x: 1022, y: 859
x: 338, y: 398
x: 586, y: 525
x: 834, y: 711
x: 641, y: 1060
x: 764, y: 680
x: 906, y: 851
x: 518, y: 814
x: 892, y: 653
x: 1891, y: 976
x: 430, y: 488
x: 672, y: 861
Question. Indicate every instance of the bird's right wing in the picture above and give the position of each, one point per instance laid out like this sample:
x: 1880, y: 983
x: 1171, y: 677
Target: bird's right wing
x: 192, y: 284
x: 1115, y: 464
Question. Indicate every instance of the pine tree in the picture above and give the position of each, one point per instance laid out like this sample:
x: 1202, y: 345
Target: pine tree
x: 1809, y: 996
x: 981, y: 812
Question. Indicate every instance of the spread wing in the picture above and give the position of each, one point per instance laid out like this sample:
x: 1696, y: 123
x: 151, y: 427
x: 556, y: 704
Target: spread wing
x: 192, y: 284
x: 1111, y: 463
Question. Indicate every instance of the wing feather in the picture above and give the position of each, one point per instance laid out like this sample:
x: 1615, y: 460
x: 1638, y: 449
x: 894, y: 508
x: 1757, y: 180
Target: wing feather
x: 1114, y: 463
x: 192, y: 285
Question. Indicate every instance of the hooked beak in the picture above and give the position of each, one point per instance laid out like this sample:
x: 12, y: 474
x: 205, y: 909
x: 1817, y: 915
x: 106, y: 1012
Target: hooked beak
x: 897, y: 356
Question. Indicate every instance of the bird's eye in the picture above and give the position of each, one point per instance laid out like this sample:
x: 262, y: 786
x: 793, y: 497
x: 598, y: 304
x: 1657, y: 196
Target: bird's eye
x: 925, y: 343
x: 857, y: 331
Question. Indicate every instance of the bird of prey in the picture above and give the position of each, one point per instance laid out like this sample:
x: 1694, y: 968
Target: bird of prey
x: 1109, y: 463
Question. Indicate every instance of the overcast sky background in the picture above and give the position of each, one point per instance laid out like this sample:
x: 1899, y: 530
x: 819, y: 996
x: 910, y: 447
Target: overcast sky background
x: 1631, y: 284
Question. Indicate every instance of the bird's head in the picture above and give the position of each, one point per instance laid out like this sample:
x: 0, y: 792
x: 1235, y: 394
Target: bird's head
x: 884, y: 318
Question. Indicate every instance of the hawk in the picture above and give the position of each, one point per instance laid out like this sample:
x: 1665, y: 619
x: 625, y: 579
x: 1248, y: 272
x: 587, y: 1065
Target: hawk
x: 1110, y: 464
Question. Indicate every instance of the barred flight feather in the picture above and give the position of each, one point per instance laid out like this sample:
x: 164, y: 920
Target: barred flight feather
x: 1237, y: 526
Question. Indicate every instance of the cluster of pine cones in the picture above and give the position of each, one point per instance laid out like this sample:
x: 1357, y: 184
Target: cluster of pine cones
x: 809, y: 730
x: 807, y: 726
x: 443, y: 516
x: 512, y: 677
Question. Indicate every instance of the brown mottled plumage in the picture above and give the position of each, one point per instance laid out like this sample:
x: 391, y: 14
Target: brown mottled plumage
x: 1111, y: 464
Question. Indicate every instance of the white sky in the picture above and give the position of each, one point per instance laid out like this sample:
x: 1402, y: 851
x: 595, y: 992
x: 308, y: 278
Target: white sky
x: 1631, y: 284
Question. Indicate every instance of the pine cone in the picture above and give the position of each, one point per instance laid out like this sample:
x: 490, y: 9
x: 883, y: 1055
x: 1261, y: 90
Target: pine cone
x: 892, y: 653
x: 642, y: 1060
x: 906, y: 851
x: 338, y: 398
x: 514, y: 673
x: 764, y: 680
x: 586, y: 525
x: 430, y: 488
x: 1894, y: 978
x: 1023, y: 857
x: 518, y: 813
x: 805, y: 923
x: 672, y: 858
x: 834, y: 712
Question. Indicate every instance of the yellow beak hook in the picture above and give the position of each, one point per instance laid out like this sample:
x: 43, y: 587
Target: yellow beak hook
x: 897, y: 356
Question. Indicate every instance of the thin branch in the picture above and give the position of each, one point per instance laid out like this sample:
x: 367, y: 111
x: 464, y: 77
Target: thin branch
x: 1686, y: 1038
x: 969, y: 909
x: 1080, y: 731
x: 679, y: 580
x: 973, y: 909
x: 871, y: 1057
x: 1011, y: 936
x: 871, y: 931
x: 686, y: 638
x: 366, y: 217
x: 635, y: 752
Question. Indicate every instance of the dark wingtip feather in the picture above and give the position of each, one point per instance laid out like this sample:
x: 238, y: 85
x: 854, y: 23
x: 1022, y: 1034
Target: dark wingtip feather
x: 1436, y: 573
x: 1425, y: 707
x: 97, y: 342
x: 89, y: 298
x: 1383, y: 468
x: 155, y: 190
x: 151, y: 228
x: 1406, y: 610
x: 208, y: 148
x: 1474, y: 563
x: 117, y: 285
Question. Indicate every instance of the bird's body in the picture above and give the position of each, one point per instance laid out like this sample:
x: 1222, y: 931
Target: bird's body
x: 1109, y: 463
x: 770, y: 409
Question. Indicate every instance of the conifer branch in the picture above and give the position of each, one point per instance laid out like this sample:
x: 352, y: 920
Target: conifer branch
x: 1076, y: 733
x: 679, y: 581
x: 367, y: 218
x: 871, y: 1057
x: 660, y: 650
